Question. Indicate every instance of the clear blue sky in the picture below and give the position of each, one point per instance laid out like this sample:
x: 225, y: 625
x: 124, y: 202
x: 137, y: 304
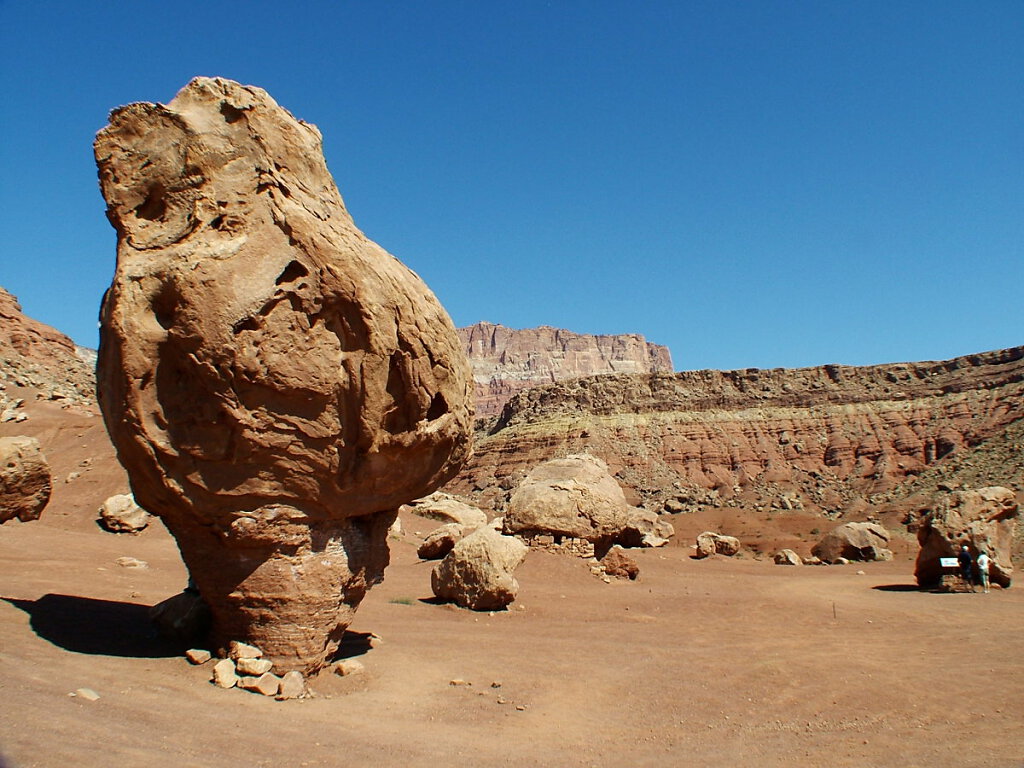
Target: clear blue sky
x: 753, y: 184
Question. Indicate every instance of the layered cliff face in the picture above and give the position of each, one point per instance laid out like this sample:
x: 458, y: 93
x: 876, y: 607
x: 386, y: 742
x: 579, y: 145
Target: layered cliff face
x: 814, y: 438
x: 38, y: 356
x: 506, y: 361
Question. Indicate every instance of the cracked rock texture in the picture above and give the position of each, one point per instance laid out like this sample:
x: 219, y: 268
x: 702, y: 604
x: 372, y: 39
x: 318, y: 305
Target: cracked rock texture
x: 275, y: 383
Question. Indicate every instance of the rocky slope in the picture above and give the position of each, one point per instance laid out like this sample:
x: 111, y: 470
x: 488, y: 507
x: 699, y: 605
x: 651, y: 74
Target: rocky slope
x: 37, y: 357
x: 823, y: 439
x: 506, y: 361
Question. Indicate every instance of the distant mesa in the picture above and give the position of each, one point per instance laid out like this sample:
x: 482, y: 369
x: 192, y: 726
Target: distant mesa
x: 506, y: 361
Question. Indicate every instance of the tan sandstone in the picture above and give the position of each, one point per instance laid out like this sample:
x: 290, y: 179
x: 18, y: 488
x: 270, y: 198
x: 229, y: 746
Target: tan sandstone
x: 25, y: 480
x: 275, y: 383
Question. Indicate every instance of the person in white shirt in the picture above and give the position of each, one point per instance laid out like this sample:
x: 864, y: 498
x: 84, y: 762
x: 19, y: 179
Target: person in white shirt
x: 983, y: 563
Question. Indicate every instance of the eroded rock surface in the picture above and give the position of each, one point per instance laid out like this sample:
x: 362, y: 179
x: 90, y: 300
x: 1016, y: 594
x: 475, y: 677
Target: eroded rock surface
x: 984, y: 519
x: 120, y: 514
x: 25, y: 480
x: 275, y: 383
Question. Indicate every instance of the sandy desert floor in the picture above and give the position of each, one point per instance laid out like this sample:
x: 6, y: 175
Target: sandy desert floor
x: 722, y: 662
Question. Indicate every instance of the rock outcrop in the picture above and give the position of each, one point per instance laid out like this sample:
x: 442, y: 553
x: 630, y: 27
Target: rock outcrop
x: 576, y: 498
x: 854, y: 541
x: 816, y: 438
x: 479, y: 571
x: 984, y: 519
x: 275, y: 383
x: 506, y: 360
x: 25, y: 480
x: 37, y: 356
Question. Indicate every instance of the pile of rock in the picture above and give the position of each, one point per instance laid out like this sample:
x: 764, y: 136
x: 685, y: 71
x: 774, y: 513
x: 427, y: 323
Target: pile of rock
x: 712, y: 543
x: 246, y: 668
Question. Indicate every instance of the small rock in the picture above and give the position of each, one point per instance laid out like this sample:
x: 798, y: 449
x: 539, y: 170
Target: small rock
x: 293, y: 686
x: 495, y: 684
x: 268, y: 684
x: 520, y: 708
x: 72, y: 476
x: 198, y: 655
x: 255, y: 667
x: 861, y: 573
x: 347, y: 667
x: 787, y: 557
x: 224, y: 674
x: 131, y: 562
x: 239, y: 650
x: 86, y: 693
x: 458, y: 681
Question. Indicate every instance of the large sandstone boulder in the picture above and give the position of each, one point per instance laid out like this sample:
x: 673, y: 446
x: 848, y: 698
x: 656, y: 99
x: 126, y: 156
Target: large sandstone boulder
x: 25, y: 480
x: 854, y: 541
x: 120, y: 514
x: 445, y: 508
x: 576, y: 497
x: 478, y: 572
x: 275, y: 383
x: 984, y: 519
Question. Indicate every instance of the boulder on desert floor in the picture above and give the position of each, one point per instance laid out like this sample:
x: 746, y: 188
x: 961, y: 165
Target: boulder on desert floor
x: 445, y: 508
x: 120, y: 514
x: 618, y: 564
x: 478, y: 572
x: 25, y: 479
x: 854, y: 541
x: 440, y: 541
x: 787, y: 557
x: 712, y: 543
x: 577, y: 498
x: 276, y: 384
x: 984, y: 519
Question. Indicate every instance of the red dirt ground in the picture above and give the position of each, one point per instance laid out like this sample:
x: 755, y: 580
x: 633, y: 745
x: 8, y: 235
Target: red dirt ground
x: 721, y: 662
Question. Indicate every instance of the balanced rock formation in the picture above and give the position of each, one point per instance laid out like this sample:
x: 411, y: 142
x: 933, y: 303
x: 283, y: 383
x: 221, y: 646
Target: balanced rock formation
x: 818, y: 437
x: 120, y: 514
x: 478, y: 572
x: 275, y: 383
x: 984, y: 519
x: 575, y: 497
x: 25, y: 480
x: 506, y: 361
x: 854, y: 541
x: 712, y: 543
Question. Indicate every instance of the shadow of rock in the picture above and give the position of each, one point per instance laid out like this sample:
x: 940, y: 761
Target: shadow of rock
x: 899, y: 588
x: 96, y: 627
x: 353, y: 644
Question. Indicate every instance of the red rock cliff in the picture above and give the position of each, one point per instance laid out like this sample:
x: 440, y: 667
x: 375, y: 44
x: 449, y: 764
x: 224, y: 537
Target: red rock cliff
x: 506, y: 361
x: 822, y: 436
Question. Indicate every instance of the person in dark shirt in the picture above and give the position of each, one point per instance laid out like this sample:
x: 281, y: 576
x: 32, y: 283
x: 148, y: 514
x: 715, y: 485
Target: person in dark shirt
x: 966, y: 565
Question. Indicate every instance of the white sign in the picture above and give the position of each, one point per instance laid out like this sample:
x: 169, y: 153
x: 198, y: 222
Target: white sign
x: 948, y: 562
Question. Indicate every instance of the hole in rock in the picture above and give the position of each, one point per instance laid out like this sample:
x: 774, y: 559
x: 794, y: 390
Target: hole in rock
x: 438, y: 407
x: 292, y: 272
x: 231, y: 114
x: 154, y: 206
